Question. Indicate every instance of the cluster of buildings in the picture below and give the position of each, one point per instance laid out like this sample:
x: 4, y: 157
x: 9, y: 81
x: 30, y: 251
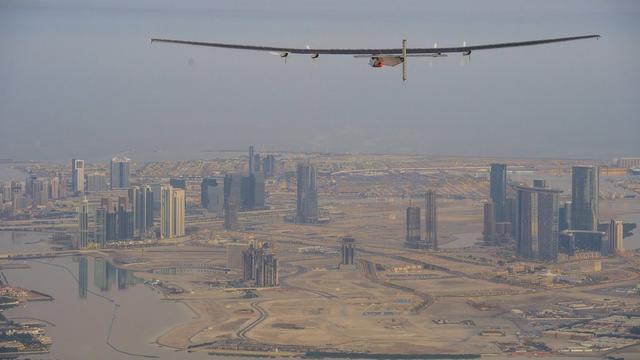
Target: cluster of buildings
x: 260, y: 266
x: 414, y: 239
x: 541, y: 225
x: 125, y: 211
x: 347, y: 252
x: 35, y: 192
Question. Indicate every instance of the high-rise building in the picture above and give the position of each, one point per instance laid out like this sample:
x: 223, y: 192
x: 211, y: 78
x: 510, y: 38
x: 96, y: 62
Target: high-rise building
x: 204, y: 191
x: 565, y: 216
x: 215, y: 204
x: 112, y: 220
x: 40, y: 192
x: 306, y: 194
x: 584, y: 198
x: 120, y: 173
x: 54, y: 188
x: 431, y: 219
x: 498, y: 190
x: 258, y: 191
x: 232, y: 200
x: 83, y: 224
x: 269, y: 166
x: 248, y: 262
x: 77, y: 176
x: 413, y: 238
x: 251, y: 159
x: 257, y: 163
x: 347, y: 250
x: 101, y: 226
x: 172, y: 212
x: 5, y: 189
x: 537, y: 223
x: 28, y: 183
x: 260, y: 266
x: 142, y: 200
x: 616, y: 235
x: 147, y: 198
x: 125, y: 219
x: 96, y: 182
x: 489, y: 228
x: 266, y: 272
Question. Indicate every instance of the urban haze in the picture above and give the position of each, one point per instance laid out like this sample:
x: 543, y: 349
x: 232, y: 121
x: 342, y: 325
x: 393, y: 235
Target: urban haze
x: 470, y: 188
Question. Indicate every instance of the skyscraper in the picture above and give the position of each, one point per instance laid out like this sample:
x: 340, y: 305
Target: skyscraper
x: 616, y: 235
x: 101, y: 226
x: 111, y: 224
x: 96, y: 182
x: 257, y: 163
x: 54, y: 188
x: 260, y: 266
x: 40, y: 192
x: 146, y: 198
x: 413, y: 238
x: 489, y: 228
x: 142, y: 200
x: 172, y: 212
x: 258, y: 191
x: 251, y: 159
x: 77, y: 176
x: 83, y: 224
x: 347, y: 250
x: 498, y: 190
x: 306, y: 194
x: 125, y: 219
x: 431, y: 219
x: 565, y: 216
x: 204, y: 191
x: 266, y: 272
x: 120, y: 173
x: 584, y: 198
x: 537, y: 223
x: 232, y: 200
x: 269, y: 166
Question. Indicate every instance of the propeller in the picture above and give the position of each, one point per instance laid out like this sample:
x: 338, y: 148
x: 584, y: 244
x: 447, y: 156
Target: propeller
x: 313, y: 56
x: 466, y: 54
x: 435, y: 46
x: 282, y: 55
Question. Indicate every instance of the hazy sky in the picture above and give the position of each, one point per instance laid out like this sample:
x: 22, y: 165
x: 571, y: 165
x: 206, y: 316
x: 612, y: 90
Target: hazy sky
x: 80, y: 80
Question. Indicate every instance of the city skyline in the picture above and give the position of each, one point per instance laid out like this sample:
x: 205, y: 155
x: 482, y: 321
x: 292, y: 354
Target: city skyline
x: 236, y: 178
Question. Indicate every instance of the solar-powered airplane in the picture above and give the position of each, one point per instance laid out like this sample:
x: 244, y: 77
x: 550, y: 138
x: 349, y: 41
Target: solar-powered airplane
x: 379, y: 57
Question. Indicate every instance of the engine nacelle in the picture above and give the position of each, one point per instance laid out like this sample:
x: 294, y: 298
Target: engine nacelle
x: 376, y: 62
x: 381, y: 61
x: 315, y: 56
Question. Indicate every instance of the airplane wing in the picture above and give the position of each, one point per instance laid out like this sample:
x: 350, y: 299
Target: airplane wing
x: 373, y: 51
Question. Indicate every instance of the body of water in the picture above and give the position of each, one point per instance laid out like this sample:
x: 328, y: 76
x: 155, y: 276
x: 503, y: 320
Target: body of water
x: 99, y: 312
x: 8, y: 173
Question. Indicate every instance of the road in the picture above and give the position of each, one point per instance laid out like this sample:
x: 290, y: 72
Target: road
x: 262, y: 316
